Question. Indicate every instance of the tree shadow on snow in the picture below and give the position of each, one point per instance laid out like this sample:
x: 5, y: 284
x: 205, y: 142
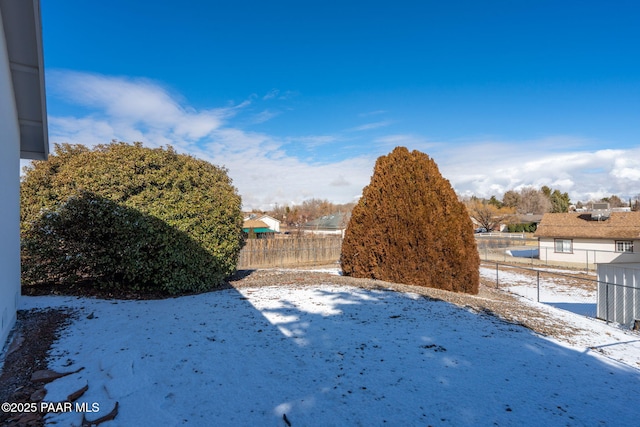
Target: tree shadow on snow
x: 333, y: 355
x: 405, y: 359
x: 583, y: 309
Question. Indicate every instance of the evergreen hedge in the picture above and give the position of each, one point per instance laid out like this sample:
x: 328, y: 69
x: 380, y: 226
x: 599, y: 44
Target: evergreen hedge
x: 409, y: 227
x: 529, y: 227
x: 122, y: 215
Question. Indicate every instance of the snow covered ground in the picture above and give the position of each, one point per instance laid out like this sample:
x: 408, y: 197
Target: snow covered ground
x: 557, y: 290
x: 331, y: 355
x: 576, y: 308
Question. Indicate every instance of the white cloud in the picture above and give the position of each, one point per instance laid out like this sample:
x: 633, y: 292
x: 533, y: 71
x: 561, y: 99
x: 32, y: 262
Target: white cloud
x: 489, y: 168
x: 277, y: 94
x: 90, y: 130
x: 138, y: 110
x: 313, y: 141
x: 339, y: 181
x: 138, y: 104
x: 627, y: 173
x: 370, y: 126
x: 266, y: 173
x: 626, y: 168
x: 273, y: 93
x: 264, y: 116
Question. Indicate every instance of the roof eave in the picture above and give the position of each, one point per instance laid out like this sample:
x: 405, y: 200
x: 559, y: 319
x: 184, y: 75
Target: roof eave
x: 23, y: 33
x: 630, y: 236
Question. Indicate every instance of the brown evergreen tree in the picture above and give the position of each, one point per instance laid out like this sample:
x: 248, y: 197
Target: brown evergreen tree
x: 409, y: 227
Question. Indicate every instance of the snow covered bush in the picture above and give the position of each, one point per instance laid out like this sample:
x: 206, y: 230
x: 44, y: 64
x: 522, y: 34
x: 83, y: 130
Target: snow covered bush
x: 126, y: 216
x: 409, y: 227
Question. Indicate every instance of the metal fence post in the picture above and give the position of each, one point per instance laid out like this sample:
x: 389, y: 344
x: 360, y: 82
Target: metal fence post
x: 497, y: 275
x: 606, y: 304
x: 587, y: 252
x: 538, y: 283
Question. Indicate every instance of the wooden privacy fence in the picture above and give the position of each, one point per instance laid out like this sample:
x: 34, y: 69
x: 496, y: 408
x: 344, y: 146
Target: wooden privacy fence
x: 295, y: 251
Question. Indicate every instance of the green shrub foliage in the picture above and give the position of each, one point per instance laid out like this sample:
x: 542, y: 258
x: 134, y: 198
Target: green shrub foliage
x: 92, y: 239
x: 125, y: 215
x: 409, y: 227
x: 529, y: 227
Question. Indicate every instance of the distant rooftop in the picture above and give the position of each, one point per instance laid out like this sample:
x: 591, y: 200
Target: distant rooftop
x: 618, y: 225
x: 335, y: 221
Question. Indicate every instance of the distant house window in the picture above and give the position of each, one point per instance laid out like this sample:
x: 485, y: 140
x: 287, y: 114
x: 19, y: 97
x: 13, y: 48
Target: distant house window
x: 564, y: 246
x: 624, y: 246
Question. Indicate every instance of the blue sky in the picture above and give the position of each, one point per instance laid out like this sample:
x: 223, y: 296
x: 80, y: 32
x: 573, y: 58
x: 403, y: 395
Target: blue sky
x: 298, y: 98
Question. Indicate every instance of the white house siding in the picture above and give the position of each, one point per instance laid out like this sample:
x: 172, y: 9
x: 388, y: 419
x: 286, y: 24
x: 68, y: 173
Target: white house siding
x: 271, y: 222
x: 9, y: 197
x: 619, y: 293
x: 588, y: 251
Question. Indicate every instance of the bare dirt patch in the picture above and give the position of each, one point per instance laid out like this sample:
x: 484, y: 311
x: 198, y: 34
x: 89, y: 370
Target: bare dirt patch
x: 31, y: 341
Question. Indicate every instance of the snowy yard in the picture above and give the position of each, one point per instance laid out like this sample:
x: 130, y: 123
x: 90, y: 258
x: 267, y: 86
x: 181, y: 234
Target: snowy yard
x: 570, y: 304
x: 333, y: 355
x: 577, y: 296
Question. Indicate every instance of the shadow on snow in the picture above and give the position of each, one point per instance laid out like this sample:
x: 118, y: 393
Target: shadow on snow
x: 330, y: 356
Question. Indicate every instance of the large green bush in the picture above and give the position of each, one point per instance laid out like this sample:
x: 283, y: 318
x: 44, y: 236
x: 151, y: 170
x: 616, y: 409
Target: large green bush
x: 92, y: 240
x: 409, y: 227
x: 125, y: 215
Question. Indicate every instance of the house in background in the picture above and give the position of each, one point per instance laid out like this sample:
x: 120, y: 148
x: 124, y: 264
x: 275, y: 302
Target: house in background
x: 254, y: 229
x: 273, y: 223
x: 599, y: 236
x: 23, y: 127
x: 257, y: 226
x: 528, y: 219
x: 334, y: 224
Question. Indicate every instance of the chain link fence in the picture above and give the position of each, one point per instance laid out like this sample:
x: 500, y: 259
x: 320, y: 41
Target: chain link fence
x: 503, y: 247
x: 517, y: 248
x: 580, y: 293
